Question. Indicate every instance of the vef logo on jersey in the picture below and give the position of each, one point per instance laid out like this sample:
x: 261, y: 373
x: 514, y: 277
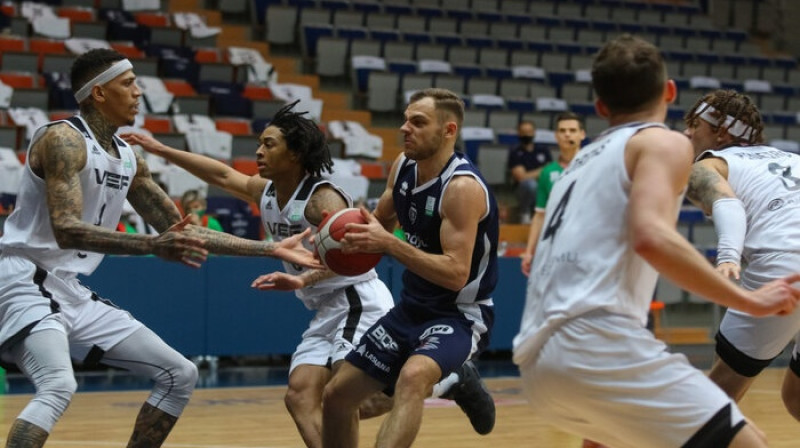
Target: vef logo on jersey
x: 380, y: 337
x: 412, y: 213
x: 403, y: 188
x: 111, y: 180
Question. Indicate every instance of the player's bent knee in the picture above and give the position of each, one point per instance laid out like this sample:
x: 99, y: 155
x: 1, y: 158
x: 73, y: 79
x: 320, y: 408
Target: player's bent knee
x: 60, y: 387
x: 181, y: 378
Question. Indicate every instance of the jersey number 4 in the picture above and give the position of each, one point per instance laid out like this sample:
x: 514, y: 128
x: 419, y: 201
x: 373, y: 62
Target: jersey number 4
x: 558, y: 214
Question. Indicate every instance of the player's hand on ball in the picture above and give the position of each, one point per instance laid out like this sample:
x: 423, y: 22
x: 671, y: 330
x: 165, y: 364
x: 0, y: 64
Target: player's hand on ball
x: 367, y: 237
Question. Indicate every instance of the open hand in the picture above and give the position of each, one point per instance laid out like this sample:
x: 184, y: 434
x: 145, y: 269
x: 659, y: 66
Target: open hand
x: 292, y: 251
x: 277, y: 281
x: 178, y: 245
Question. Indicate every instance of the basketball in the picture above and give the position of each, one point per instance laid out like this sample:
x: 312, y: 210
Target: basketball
x: 326, y: 242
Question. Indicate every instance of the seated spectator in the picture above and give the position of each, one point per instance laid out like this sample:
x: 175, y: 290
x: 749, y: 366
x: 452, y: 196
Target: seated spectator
x: 525, y: 163
x: 194, y: 204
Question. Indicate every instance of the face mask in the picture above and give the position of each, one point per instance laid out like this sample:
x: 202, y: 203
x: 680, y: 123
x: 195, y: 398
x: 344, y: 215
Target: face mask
x: 526, y: 139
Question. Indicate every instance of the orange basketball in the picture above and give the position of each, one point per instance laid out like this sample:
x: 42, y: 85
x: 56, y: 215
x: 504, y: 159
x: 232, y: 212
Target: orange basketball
x: 326, y: 242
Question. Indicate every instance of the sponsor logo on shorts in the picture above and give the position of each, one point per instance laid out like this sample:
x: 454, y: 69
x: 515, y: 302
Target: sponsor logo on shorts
x: 362, y: 350
x: 380, y: 337
x: 431, y: 343
x: 436, y: 329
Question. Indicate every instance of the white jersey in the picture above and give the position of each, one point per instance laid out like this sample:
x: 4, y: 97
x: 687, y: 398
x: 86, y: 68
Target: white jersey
x: 105, y: 181
x: 584, y: 260
x: 767, y: 181
x: 291, y: 220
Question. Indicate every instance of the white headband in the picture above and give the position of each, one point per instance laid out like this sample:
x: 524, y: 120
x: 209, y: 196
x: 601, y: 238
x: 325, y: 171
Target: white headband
x: 735, y: 127
x: 112, y: 72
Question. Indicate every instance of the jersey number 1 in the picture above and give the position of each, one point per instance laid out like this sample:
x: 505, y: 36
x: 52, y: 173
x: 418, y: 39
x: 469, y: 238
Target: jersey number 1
x: 558, y: 214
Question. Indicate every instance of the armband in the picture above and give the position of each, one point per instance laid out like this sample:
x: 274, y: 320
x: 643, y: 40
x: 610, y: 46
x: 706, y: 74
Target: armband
x: 730, y: 222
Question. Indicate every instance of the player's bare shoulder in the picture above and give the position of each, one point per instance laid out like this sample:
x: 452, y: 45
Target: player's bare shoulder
x: 324, y: 199
x: 61, y: 147
x: 665, y: 142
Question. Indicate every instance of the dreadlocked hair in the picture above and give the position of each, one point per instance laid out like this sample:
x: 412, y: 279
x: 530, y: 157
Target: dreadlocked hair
x: 732, y: 103
x: 304, y: 139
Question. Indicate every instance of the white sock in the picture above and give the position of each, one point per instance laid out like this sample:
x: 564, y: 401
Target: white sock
x: 444, y: 385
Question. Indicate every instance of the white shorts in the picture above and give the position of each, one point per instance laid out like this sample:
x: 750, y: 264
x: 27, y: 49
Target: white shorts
x: 341, y: 318
x: 604, y: 378
x: 28, y: 294
x: 760, y: 338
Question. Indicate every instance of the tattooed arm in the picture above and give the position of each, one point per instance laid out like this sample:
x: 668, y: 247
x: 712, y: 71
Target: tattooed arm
x: 709, y: 189
x: 150, y: 200
x: 59, y: 156
x: 708, y: 182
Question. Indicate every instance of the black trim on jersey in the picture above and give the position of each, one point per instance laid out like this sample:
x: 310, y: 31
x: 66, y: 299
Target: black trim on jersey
x: 94, y: 356
x: 738, y: 361
x: 354, y: 315
x: 794, y: 365
x: 719, y: 431
x: 78, y: 123
x: 308, y: 186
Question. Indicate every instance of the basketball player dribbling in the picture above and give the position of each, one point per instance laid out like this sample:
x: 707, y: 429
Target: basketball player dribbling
x: 292, y: 197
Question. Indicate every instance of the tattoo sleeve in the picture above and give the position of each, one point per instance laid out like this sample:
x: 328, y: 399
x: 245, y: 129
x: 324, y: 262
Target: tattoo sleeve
x: 62, y: 153
x: 705, y: 187
x: 150, y: 201
x: 222, y: 243
x: 324, y: 199
x: 312, y: 277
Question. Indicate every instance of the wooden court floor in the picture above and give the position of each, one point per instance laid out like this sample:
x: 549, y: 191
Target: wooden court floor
x: 256, y: 418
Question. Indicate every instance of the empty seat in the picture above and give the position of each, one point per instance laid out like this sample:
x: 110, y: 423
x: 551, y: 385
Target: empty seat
x: 234, y: 126
x: 382, y: 90
x: 157, y: 124
x: 19, y: 61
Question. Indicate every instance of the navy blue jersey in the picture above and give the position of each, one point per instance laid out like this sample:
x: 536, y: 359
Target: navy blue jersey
x: 419, y: 214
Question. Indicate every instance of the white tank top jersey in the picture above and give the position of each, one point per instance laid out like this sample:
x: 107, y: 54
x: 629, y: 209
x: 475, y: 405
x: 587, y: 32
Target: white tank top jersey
x: 105, y: 181
x: 584, y: 260
x: 767, y: 181
x: 291, y: 220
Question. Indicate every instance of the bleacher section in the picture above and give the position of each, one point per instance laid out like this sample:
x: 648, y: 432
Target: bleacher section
x: 510, y: 59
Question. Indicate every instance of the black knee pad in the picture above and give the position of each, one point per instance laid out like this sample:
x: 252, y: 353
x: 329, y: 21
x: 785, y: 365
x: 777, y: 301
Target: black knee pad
x: 738, y: 361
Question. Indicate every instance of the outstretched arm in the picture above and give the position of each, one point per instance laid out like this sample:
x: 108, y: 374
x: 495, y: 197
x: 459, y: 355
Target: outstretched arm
x: 248, y: 188
x: 59, y: 155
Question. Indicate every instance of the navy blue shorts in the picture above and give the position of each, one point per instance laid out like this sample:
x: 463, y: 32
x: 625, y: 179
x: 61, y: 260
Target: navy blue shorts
x: 385, y: 347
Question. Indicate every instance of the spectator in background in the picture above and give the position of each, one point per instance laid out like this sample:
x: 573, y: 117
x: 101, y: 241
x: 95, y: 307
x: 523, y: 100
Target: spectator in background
x: 525, y: 163
x: 569, y: 135
x: 194, y: 204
